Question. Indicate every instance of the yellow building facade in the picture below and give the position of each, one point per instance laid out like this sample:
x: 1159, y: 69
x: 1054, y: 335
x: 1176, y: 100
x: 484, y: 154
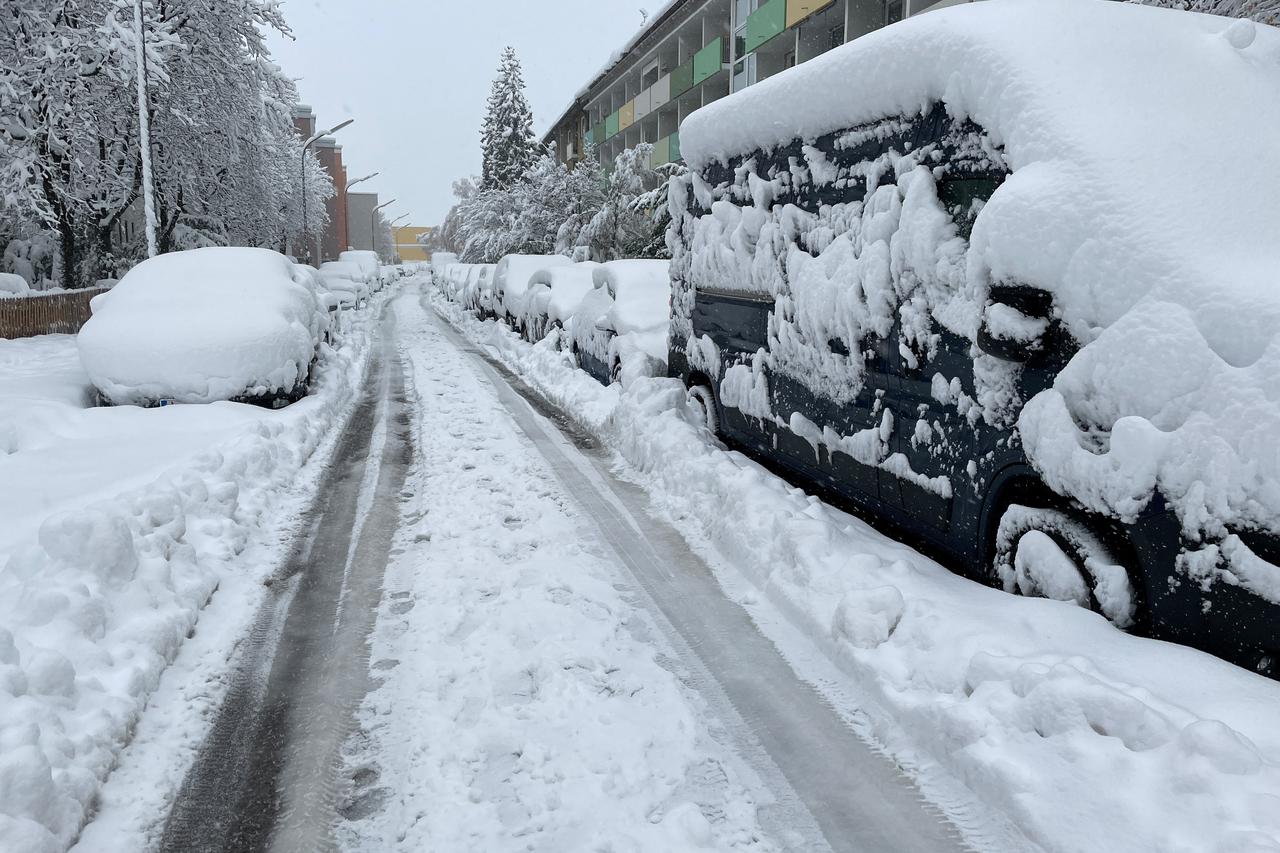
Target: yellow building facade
x: 407, y: 245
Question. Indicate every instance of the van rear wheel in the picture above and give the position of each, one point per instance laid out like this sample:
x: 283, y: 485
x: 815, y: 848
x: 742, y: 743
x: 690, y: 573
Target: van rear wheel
x: 702, y: 400
x: 1049, y: 553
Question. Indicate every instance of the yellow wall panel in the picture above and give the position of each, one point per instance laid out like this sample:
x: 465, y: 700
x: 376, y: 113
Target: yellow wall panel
x: 627, y: 115
x: 798, y: 10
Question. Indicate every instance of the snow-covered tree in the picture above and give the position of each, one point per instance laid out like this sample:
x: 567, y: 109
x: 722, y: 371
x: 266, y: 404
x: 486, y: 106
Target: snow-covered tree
x: 506, y: 137
x: 622, y: 227
x: 1262, y: 11
x: 224, y: 152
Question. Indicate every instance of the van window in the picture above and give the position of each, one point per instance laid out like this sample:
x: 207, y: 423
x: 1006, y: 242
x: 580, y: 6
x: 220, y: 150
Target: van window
x: 964, y: 196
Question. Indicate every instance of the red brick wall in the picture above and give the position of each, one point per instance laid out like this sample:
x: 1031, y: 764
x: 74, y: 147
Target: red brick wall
x: 335, y: 239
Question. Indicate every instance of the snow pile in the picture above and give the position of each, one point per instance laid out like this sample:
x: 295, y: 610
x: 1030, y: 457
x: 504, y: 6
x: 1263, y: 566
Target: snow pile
x: 13, y: 285
x: 120, y: 524
x: 203, y: 325
x: 1110, y: 118
x: 1083, y: 737
x: 440, y: 261
x: 511, y: 280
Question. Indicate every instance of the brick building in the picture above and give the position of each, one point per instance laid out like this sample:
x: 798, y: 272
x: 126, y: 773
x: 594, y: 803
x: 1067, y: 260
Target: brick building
x: 336, y: 237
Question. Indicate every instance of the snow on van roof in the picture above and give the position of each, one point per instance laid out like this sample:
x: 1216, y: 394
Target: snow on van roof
x: 1142, y: 195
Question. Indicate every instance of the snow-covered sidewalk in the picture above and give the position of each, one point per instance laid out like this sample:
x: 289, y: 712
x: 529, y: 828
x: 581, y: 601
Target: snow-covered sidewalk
x: 1085, y: 737
x: 117, y: 527
x: 526, y: 702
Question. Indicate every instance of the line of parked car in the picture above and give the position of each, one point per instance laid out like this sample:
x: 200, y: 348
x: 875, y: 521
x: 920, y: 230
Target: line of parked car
x: 612, y: 317
x: 222, y: 323
x: 1027, y: 318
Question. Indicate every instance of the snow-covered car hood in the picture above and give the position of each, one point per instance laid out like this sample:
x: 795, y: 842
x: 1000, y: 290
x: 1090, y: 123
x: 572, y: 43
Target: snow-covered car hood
x: 1144, y: 166
x: 203, y: 325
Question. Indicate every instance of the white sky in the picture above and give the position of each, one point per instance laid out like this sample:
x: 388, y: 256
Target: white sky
x: 414, y: 74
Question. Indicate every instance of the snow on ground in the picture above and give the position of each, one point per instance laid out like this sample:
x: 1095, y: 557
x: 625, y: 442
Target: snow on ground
x: 1086, y: 737
x: 119, y: 524
x: 526, y: 702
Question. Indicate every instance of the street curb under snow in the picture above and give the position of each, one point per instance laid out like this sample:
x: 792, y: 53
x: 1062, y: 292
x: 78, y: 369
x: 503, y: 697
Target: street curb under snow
x: 97, y: 607
x: 1081, y: 736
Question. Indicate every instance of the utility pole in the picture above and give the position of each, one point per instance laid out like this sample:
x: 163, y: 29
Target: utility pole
x: 144, y: 128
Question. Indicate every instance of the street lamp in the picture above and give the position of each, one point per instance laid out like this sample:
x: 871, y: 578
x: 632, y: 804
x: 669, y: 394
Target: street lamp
x: 399, y: 219
x: 373, y: 224
x: 361, y: 180
x: 312, y: 141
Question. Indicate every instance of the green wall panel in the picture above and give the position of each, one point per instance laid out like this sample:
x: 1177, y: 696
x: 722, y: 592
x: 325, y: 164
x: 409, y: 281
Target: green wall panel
x: 708, y: 61
x: 675, y: 146
x: 765, y: 23
x: 611, y: 126
x: 682, y: 79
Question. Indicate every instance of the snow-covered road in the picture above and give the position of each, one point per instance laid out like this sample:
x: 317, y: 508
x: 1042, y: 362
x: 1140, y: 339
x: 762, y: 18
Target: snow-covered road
x: 561, y: 672
x: 483, y: 641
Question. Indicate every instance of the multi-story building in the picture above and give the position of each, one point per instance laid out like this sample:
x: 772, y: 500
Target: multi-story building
x: 697, y: 51
x: 407, y: 245
x: 360, y: 207
x: 335, y: 238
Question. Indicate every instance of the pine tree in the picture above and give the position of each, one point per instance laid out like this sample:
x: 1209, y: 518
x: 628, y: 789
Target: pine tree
x: 510, y: 148
x: 1262, y: 11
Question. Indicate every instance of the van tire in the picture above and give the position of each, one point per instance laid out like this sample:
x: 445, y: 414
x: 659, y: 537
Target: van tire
x: 1053, y: 553
x: 703, y: 401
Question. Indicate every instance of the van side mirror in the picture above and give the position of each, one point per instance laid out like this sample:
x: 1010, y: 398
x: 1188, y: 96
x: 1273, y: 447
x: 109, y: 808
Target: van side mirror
x: 1016, y: 322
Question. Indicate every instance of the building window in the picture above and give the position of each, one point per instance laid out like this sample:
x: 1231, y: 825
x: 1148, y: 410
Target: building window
x: 743, y: 10
x: 893, y: 12
x: 744, y: 73
x: 650, y: 75
x: 789, y: 61
x: 836, y: 36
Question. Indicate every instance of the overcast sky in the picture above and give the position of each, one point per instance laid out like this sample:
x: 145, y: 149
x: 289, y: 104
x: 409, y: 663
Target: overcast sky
x: 414, y: 74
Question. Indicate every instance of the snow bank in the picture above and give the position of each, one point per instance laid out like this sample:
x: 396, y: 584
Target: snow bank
x: 368, y: 261
x: 13, y: 285
x: 1159, y: 248
x: 120, y: 524
x: 203, y: 325
x: 640, y: 314
x: 1081, y: 736
x: 511, y: 279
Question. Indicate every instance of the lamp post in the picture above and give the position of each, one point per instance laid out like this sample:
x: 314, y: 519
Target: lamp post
x: 144, y: 129
x: 312, y: 141
x: 351, y: 184
x: 373, y: 224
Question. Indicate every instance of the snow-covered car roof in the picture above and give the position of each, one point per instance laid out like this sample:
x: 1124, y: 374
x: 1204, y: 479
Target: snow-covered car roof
x: 511, y: 277
x: 1142, y: 146
x: 344, y: 269
x: 363, y: 258
x: 206, y: 324
x: 641, y: 292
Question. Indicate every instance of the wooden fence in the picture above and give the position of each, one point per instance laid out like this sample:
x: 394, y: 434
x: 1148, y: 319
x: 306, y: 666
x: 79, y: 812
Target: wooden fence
x: 46, y: 313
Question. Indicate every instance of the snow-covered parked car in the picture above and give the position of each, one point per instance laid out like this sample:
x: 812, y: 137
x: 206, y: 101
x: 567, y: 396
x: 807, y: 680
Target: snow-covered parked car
x: 203, y: 325
x: 369, y: 262
x: 346, y: 276
x: 511, y: 283
x: 554, y: 294
x: 993, y: 275
x: 621, y: 328
x: 439, y: 263
x: 478, y: 291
